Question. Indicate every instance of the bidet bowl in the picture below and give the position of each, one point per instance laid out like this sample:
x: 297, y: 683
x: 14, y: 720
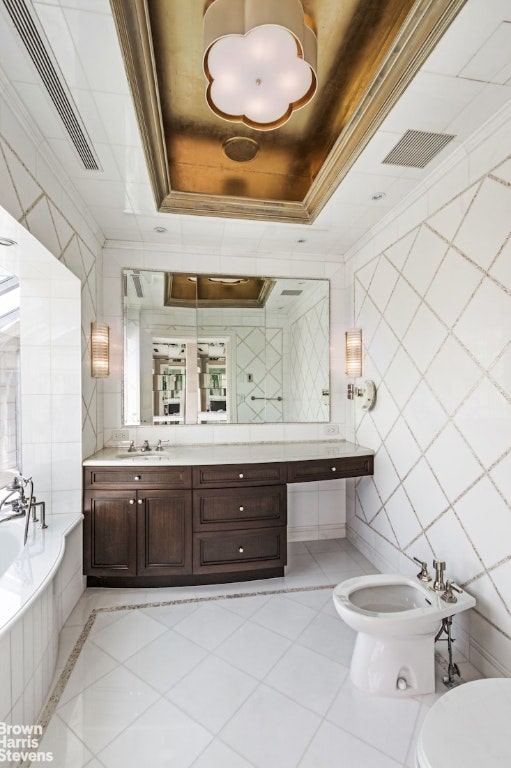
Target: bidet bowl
x: 393, y: 604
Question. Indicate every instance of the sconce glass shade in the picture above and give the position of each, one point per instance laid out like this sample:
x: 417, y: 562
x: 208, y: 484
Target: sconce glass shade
x: 100, y: 343
x: 260, y: 60
x: 353, y: 352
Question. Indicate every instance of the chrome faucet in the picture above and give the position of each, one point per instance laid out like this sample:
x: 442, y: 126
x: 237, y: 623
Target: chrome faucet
x: 438, y: 584
x: 146, y: 446
x: 159, y: 447
x: 21, y: 505
x: 423, y: 575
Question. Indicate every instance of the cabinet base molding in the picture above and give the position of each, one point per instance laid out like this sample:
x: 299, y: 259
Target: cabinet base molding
x: 316, y: 532
x: 127, y: 582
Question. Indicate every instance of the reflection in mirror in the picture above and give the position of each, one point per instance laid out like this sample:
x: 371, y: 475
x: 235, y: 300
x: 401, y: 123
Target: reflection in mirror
x: 221, y: 348
x: 10, y: 454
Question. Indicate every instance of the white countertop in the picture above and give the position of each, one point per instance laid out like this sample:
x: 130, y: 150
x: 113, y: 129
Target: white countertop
x: 229, y: 453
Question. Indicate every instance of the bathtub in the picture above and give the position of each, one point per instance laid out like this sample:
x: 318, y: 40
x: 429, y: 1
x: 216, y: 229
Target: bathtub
x: 39, y: 586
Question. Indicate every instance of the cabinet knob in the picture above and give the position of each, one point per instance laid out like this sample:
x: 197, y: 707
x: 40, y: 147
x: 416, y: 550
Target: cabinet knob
x: 137, y: 477
x: 241, y: 550
x: 334, y: 469
x: 132, y: 501
x: 240, y: 474
x: 241, y: 509
x: 140, y: 501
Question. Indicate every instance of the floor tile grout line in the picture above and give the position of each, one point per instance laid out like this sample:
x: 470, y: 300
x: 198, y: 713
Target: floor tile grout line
x: 52, y: 702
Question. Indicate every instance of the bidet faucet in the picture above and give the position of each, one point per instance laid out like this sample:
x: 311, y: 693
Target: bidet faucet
x: 438, y: 584
x: 423, y: 575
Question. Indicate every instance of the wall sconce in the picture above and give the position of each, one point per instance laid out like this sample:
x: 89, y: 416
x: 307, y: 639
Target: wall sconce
x: 364, y: 396
x: 353, y: 353
x: 99, y: 356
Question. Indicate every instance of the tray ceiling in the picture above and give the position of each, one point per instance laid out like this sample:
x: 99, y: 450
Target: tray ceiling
x: 368, y: 52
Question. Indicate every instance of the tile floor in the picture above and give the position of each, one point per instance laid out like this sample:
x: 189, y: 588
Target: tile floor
x: 248, y: 675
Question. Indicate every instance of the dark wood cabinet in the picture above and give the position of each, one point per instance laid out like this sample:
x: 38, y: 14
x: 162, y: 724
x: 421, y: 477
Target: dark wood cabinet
x: 164, y: 533
x: 110, y: 533
x: 329, y: 469
x: 170, y: 525
x: 253, y: 507
x: 239, y: 550
x: 238, y: 475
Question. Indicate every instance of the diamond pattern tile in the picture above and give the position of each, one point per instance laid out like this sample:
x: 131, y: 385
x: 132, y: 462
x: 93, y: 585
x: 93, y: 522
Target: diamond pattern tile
x: 446, y: 488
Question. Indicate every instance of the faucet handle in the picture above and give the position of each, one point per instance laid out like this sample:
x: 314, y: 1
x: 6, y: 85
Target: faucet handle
x: 448, y: 595
x: 423, y: 575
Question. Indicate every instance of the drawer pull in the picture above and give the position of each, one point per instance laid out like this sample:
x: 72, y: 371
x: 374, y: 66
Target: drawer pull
x: 132, y: 501
x: 137, y: 477
x: 334, y: 469
x: 140, y: 501
x: 240, y: 475
x: 241, y: 509
x: 241, y: 550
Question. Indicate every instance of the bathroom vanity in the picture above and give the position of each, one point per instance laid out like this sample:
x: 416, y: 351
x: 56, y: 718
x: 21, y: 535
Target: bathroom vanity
x: 199, y: 514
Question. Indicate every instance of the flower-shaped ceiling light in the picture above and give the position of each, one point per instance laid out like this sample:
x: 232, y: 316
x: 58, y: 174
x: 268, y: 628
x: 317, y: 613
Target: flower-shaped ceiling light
x: 260, y: 60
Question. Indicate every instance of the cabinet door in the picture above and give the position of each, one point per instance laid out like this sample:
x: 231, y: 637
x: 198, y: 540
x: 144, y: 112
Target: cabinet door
x: 164, y: 520
x: 110, y: 530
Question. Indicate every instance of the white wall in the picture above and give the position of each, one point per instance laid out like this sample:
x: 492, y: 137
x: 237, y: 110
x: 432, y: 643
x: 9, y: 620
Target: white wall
x: 50, y: 361
x: 432, y: 293
x: 41, y: 202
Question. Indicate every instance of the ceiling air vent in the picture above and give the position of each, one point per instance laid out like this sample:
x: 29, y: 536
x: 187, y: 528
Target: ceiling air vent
x: 39, y: 51
x: 416, y: 148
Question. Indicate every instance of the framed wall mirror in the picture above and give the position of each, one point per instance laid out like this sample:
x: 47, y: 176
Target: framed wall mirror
x: 226, y: 349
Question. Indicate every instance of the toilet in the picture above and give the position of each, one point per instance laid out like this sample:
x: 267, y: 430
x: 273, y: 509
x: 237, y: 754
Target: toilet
x: 396, y: 619
x: 468, y: 727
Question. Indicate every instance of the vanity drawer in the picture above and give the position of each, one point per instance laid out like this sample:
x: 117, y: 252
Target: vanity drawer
x: 137, y: 477
x: 250, y: 507
x: 329, y: 469
x: 234, y: 475
x: 239, y: 550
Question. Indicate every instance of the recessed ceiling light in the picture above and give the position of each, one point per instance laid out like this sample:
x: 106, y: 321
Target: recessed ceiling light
x: 301, y: 240
x: 160, y: 230
x: 378, y: 196
x: 7, y: 241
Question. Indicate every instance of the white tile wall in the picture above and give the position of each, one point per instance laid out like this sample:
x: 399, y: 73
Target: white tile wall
x: 40, y: 202
x: 435, y: 308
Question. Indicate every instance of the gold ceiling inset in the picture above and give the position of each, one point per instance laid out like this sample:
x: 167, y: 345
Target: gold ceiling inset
x: 368, y: 52
x: 191, y: 290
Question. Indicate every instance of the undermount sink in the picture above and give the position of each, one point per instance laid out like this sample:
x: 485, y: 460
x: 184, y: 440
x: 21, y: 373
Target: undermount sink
x: 142, y: 456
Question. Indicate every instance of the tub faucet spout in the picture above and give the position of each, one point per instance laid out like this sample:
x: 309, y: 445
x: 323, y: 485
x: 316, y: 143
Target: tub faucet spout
x: 21, y: 505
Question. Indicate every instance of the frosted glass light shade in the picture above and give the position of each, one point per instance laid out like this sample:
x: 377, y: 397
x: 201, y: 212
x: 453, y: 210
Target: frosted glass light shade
x: 100, y: 344
x: 353, y: 352
x: 260, y: 60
